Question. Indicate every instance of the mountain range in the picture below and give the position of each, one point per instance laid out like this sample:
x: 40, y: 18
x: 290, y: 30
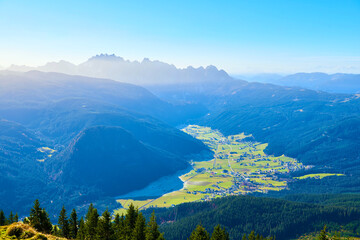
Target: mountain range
x: 334, y: 83
x: 146, y: 72
x: 149, y: 72
x: 54, y: 125
x: 83, y: 138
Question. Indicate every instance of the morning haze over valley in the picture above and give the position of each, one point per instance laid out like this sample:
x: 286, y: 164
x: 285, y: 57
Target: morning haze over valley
x: 180, y: 120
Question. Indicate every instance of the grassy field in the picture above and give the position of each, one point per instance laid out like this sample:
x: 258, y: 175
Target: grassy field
x: 319, y: 175
x: 23, y: 231
x: 46, y: 153
x: 238, y: 167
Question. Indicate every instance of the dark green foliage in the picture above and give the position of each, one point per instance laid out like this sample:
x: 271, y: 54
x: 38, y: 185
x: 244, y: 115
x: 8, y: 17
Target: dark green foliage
x: 26, y: 220
x: 2, y: 218
x: 16, y: 217
x: 119, y: 226
x: 219, y: 233
x: 266, y: 216
x: 350, y: 200
x: 92, y: 218
x: 90, y: 210
x: 63, y: 224
x: 39, y: 218
x: 73, y: 224
x: 11, y: 218
x: 251, y: 236
x: 152, y: 232
x: 130, y: 219
x: 323, y: 234
x: 56, y: 231
x: 161, y: 237
x: 81, y: 234
x: 139, y: 232
x: 199, y: 234
x: 105, y: 229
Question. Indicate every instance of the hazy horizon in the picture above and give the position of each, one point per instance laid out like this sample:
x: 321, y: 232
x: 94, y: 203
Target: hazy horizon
x: 239, y: 36
x: 232, y: 74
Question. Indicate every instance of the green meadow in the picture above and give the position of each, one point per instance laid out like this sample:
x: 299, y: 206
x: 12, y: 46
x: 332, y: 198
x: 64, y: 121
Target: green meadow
x: 319, y: 175
x: 238, y: 167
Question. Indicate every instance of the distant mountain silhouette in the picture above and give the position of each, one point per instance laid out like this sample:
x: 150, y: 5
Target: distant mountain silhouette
x: 333, y: 83
x: 144, y: 73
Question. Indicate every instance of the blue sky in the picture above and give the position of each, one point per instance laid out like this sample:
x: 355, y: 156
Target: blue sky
x: 239, y: 36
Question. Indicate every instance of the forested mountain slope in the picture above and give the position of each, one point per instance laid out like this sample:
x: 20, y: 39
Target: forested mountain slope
x: 56, y: 128
x: 267, y: 216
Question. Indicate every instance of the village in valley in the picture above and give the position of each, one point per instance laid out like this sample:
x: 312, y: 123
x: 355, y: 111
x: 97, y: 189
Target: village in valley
x: 239, y: 166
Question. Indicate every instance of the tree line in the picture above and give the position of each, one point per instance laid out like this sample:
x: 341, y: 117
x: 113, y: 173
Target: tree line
x: 11, y: 219
x: 266, y: 216
x: 95, y: 226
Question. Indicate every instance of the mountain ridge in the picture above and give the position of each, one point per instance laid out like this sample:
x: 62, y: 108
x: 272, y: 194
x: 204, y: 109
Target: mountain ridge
x: 142, y: 73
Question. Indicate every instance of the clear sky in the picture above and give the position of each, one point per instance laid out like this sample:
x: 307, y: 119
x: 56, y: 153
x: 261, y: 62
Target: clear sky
x: 238, y: 36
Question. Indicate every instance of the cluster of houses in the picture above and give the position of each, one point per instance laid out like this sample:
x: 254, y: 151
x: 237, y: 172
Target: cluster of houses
x: 243, y: 181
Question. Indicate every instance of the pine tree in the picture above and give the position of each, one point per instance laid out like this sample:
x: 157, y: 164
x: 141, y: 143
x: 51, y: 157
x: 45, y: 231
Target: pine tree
x: 26, y: 220
x: 323, y: 234
x: 199, y: 234
x: 39, y: 218
x: 35, y: 216
x: 45, y: 222
x: 105, y: 229
x: 63, y: 223
x: 91, y: 223
x: 130, y: 220
x: 251, y: 236
x: 56, y: 231
x: 73, y: 224
x: 119, y: 227
x: 161, y: 237
x: 2, y: 218
x: 11, y: 218
x: 81, y: 234
x: 257, y: 237
x: 117, y: 221
x: 90, y: 209
x: 152, y: 232
x: 139, y: 232
x: 16, y: 217
x: 244, y: 237
x: 219, y: 234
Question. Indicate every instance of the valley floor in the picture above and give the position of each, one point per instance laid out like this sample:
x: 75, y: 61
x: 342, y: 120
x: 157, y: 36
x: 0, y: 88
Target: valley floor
x: 239, y: 167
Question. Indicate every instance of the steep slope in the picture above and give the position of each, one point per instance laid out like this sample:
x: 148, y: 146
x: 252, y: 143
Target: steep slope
x: 48, y: 113
x: 317, y: 128
x: 21, y: 173
x: 112, y: 160
x: 267, y: 216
